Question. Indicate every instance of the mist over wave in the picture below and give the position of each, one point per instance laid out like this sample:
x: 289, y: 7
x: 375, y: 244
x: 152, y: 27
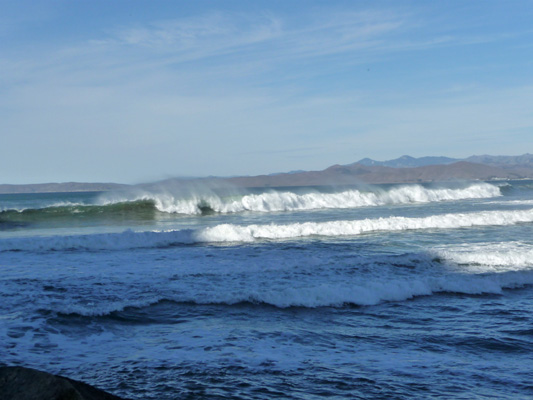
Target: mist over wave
x: 206, y: 199
x: 195, y: 199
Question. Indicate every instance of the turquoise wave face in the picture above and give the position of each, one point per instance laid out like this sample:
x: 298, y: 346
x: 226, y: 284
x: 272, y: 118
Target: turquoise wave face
x: 79, y: 213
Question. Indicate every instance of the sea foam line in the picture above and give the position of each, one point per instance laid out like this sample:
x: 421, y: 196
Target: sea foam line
x: 238, y: 233
x: 370, y: 292
x: 225, y: 233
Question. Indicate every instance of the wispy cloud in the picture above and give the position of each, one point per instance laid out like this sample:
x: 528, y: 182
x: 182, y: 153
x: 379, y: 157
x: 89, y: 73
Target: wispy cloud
x: 213, y: 27
x: 223, y: 91
x: 207, y: 50
x: 233, y: 45
x: 268, y: 37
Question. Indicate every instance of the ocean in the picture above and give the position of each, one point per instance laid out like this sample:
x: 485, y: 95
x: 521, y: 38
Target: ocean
x: 204, y: 291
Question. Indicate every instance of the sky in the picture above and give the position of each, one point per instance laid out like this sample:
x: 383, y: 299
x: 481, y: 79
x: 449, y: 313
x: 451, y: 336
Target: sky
x: 137, y: 91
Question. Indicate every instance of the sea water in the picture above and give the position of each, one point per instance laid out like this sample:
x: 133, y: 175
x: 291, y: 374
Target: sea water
x: 208, y: 292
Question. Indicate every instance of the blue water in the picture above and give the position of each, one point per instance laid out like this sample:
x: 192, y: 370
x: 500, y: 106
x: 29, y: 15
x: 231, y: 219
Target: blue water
x: 397, y: 291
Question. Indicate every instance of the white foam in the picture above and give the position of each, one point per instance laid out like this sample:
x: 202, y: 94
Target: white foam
x: 105, y: 308
x: 489, y: 257
x: 375, y: 292
x: 238, y: 233
x: 275, y: 201
x: 512, y: 202
x: 367, y: 292
x: 247, y: 233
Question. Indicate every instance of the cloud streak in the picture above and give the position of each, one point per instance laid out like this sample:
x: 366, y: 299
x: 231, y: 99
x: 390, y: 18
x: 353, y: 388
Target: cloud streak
x: 244, y: 93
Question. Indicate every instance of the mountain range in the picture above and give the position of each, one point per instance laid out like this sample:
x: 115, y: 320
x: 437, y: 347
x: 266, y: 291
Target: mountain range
x: 404, y: 169
x: 409, y: 162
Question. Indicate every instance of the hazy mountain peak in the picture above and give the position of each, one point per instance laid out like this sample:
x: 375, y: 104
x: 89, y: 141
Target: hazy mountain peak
x: 407, y: 161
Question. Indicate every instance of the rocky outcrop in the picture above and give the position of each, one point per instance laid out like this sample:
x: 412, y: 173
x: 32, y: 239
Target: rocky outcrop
x: 18, y: 383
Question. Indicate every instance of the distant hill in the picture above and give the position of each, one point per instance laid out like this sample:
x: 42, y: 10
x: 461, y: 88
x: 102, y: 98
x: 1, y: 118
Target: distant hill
x: 408, y: 162
x: 405, y: 169
x: 60, y: 187
x: 503, y: 161
x: 359, y: 173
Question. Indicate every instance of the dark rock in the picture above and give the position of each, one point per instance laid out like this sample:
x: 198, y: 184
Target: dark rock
x: 18, y: 383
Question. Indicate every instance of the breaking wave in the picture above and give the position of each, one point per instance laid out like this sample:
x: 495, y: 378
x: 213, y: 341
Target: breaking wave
x: 238, y: 233
x: 371, y: 292
x: 489, y: 257
x: 292, y: 201
x: 225, y: 233
x: 137, y: 206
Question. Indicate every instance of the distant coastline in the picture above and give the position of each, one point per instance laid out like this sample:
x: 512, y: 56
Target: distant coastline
x: 405, y: 169
x: 65, y: 187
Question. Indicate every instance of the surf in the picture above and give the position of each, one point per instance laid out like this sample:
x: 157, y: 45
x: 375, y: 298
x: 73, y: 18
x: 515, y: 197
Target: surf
x: 198, y: 202
x: 172, y: 202
x: 233, y: 233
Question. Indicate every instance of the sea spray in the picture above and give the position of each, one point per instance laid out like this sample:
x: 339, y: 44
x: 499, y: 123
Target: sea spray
x: 191, y: 202
x: 143, y: 205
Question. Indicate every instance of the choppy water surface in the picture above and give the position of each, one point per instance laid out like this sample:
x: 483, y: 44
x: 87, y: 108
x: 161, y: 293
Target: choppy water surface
x: 397, y: 291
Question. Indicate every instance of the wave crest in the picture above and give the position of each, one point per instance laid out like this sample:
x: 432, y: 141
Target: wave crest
x: 226, y: 233
x: 238, y: 233
x: 275, y: 201
x: 373, y: 291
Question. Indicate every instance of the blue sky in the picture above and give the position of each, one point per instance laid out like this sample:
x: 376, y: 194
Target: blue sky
x: 134, y: 91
